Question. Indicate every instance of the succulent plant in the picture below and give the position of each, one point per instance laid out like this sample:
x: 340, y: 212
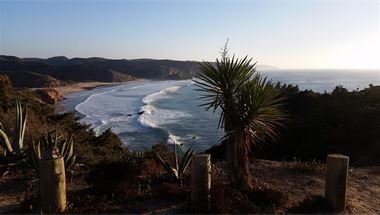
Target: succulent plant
x: 53, y: 146
x: 15, y: 147
x: 180, y: 163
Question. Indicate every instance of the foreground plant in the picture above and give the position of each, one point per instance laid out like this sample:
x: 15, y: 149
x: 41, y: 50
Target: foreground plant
x: 14, y: 147
x: 177, y: 170
x: 251, y: 109
x: 51, y: 156
x: 52, y: 144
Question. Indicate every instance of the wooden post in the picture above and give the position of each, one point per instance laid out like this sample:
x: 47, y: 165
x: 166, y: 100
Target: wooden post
x: 336, y: 180
x: 200, y: 181
x: 52, y: 185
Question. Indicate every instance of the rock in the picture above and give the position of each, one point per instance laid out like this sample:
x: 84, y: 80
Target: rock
x: 50, y: 96
x: 4, y: 80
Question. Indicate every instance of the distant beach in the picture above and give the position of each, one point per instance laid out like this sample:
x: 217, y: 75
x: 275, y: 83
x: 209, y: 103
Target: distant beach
x: 81, y: 86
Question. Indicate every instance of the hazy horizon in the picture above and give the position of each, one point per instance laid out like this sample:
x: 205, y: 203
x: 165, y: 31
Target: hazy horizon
x: 273, y: 67
x: 287, y: 34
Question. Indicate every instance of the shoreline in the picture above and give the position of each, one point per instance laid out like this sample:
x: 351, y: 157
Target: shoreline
x: 84, y: 86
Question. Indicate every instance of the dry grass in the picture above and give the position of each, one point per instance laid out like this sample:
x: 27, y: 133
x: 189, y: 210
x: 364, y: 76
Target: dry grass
x: 363, y: 195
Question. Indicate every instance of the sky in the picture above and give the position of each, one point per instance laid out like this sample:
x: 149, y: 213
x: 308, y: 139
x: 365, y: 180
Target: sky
x: 289, y: 34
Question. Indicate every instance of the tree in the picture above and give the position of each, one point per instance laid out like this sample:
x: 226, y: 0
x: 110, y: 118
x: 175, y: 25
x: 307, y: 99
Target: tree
x: 251, y: 109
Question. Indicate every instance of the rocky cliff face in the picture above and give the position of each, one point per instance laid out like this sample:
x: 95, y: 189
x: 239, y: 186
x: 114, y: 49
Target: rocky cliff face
x: 50, y: 96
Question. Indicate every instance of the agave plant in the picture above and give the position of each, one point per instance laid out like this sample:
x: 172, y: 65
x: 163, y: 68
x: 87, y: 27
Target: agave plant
x: 180, y: 163
x: 53, y: 144
x: 15, y: 147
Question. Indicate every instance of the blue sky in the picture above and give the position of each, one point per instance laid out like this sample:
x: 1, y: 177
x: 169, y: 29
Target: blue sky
x: 282, y: 33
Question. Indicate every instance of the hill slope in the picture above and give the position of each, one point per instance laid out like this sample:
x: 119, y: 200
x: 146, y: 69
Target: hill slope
x: 92, y: 69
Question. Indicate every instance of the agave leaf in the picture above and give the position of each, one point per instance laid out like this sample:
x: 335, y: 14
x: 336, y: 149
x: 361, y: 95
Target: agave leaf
x: 34, y: 159
x: 182, y: 160
x: 70, y: 162
x: 175, y: 156
x: 63, y: 148
x: 67, y: 158
x: 18, y: 129
x: 23, y: 126
x: 55, y: 139
x: 35, y: 154
x: 186, y: 160
x: 167, y: 166
x: 45, y: 143
x: 6, y: 141
x: 174, y: 172
x: 50, y: 140
x: 71, y: 149
x: 37, y: 149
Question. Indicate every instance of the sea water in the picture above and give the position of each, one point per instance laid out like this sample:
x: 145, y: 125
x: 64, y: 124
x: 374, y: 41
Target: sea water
x: 145, y: 113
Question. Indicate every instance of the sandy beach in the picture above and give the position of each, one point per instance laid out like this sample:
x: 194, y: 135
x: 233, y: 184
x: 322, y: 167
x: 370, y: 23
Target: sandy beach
x: 80, y: 86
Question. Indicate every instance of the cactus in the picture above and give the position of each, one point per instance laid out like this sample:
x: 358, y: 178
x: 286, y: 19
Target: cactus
x: 180, y: 164
x: 15, y: 147
x: 49, y: 143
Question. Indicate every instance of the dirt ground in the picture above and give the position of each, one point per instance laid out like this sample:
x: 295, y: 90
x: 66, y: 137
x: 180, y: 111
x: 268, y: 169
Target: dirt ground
x: 302, y: 180
x: 296, y: 179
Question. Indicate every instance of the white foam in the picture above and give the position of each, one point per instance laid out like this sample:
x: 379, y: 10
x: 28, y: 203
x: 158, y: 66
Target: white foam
x: 154, y: 117
x: 117, y: 108
x: 172, y: 139
x: 160, y: 94
x: 78, y: 106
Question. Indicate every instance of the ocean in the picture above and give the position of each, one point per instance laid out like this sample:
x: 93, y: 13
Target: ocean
x: 145, y: 113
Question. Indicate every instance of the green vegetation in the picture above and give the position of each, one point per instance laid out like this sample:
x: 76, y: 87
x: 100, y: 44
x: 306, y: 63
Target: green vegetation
x: 14, y: 146
x: 337, y: 122
x: 90, y: 149
x: 251, y: 109
x: 322, y: 123
x: 180, y: 163
x: 49, y: 144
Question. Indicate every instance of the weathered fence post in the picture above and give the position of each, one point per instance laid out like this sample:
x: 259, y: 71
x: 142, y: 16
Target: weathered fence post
x: 200, y: 181
x: 52, y: 185
x: 336, y: 180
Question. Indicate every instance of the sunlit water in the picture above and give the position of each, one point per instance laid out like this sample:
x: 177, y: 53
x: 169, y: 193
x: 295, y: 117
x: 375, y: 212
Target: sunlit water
x: 171, y: 111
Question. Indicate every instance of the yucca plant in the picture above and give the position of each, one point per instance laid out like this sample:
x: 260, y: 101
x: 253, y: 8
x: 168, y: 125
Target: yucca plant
x: 251, y: 109
x: 53, y: 144
x: 177, y: 170
x: 14, y: 146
